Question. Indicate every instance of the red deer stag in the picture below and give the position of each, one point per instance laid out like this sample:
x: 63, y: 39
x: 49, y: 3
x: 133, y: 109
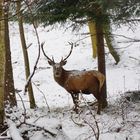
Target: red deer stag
x: 75, y: 82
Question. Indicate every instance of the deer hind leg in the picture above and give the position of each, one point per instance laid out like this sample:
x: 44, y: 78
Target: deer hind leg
x: 99, y: 106
x: 99, y: 100
x: 75, y: 97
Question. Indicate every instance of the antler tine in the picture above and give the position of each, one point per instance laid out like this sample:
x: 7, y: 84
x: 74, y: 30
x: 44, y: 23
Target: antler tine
x: 42, y: 47
x: 72, y: 44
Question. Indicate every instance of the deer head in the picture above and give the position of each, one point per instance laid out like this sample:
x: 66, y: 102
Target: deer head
x: 57, y: 67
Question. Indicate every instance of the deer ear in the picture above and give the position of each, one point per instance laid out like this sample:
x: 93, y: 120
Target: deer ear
x: 50, y: 62
x: 63, y: 62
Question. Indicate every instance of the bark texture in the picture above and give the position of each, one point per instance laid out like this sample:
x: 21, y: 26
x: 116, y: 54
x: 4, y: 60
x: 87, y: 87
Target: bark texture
x: 2, y: 64
x: 25, y: 54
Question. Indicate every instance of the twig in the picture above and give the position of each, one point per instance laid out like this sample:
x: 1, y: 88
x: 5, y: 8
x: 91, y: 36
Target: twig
x: 125, y: 46
x: 23, y: 106
x: 29, y: 46
x: 23, y: 100
x: 132, y: 39
x: 91, y: 128
x: 134, y: 58
x: 39, y: 118
x: 43, y: 96
x: 96, y: 123
x: 3, y: 133
x: 38, y: 127
x: 42, y: 128
x: 79, y: 124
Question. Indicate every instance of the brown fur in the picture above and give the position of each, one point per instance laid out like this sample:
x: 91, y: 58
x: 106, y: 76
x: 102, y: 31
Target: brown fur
x: 86, y: 82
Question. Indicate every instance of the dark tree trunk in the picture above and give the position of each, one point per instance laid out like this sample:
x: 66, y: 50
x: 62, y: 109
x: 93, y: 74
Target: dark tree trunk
x: 101, y: 59
x: 2, y: 67
x: 9, y: 82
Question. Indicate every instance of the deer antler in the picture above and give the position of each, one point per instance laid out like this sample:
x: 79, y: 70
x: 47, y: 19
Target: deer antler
x: 72, y: 44
x: 42, y: 47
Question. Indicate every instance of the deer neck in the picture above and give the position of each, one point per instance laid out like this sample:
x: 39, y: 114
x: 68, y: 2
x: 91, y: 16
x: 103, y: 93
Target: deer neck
x: 61, y: 80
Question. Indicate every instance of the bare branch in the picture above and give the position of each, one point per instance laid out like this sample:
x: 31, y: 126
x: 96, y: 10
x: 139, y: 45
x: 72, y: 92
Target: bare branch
x: 43, y: 96
x: 132, y: 39
x: 24, y: 108
x: 39, y: 46
x: 96, y: 123
x: 42, y: 128
x: 77, y: 123
x: 29, y: 45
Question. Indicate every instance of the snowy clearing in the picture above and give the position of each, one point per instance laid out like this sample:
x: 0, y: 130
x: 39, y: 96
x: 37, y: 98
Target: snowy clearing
x: 120, y: 121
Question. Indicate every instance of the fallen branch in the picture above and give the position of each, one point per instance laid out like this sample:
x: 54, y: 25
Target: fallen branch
x: 42, y: 128
x: 3, y: 133
x: 14, y: 133
x: 5, y: 138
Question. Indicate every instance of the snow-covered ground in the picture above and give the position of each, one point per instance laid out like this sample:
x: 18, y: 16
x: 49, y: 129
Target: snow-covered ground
x: 120, y: 121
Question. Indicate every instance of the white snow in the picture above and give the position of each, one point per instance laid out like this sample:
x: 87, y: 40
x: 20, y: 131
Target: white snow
x: 120, y: 121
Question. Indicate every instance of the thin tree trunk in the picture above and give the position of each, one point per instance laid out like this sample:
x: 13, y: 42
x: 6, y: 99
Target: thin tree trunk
x: 92, y: 30
x: 2, y: 64
x: 25, y: 54
x: 109, y: 41
x: 9, y: 82
x: 101, y: 60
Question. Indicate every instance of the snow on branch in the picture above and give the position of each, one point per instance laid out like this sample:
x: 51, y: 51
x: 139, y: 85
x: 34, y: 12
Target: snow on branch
x: 14, y: 133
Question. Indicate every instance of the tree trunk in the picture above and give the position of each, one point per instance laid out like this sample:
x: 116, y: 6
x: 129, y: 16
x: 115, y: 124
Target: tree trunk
x: 101, y: 60
x: 109, y: 41
x: 2, y: 64
x: 108, y: 37
x: 9, y: 82
x: 25, y: 54
x: 92, y: 30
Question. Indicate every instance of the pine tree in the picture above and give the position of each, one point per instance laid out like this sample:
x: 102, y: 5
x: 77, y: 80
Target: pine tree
x: 52, y: 11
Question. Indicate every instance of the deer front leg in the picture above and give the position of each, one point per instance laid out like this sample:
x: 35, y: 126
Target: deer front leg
x: 75, y: 97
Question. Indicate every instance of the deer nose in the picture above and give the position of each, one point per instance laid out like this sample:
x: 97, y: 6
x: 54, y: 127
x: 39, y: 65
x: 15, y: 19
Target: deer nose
x: 57, y: 73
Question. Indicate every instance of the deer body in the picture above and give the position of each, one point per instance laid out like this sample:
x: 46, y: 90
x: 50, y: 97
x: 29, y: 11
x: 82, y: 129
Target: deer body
x: 86, y: 82
x: 79, y: 81
x: 75, y: 82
